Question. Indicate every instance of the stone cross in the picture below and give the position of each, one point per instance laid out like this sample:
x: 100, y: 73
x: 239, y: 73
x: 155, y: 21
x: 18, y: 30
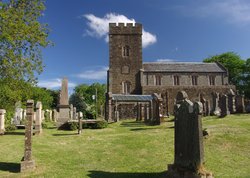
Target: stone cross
x: 189, y: 151
x: 2, y: 128
x: 38, y: 121
x: 27, y: 163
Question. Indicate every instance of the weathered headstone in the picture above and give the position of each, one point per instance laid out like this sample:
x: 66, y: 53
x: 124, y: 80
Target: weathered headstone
x: 43, y: 115
x: 80, y: 123
x: 27, y: 162
x: 2, y: 114
x: 38, y: 121
x: 55, y: 115
x: 18, y: 116
x: 216, y: 110
x: 71, y: 111
x: 63, y: 107
x: 248, y: 107
x: 189, y: 151
x: 239, y: 103
x: 74, y: 113
x: 231, y: 101
x: 224, y: 106
x: 24, y: 114
x: 207, y: 108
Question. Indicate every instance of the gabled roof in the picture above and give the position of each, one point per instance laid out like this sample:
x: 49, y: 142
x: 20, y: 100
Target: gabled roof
x: 142, y: 98
x: 183, y: 67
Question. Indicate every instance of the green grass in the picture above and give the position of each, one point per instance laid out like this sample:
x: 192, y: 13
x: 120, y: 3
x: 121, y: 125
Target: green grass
x: 127, y: 149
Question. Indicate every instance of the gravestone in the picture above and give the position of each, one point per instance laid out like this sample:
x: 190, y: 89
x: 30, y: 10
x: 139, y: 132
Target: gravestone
x: 2, y: 114
x: 248, y: 107
x: 239, y: 103
x: 224, y: 106
x: 189, y: 151
x: 80, y: 123
x: 24, y: 114
x: 43, y: 115
x: 71, y: 111
x: 18, y: 116
x: 27, y: 162
x: 38, y: 118
x: 63, y: 106
x: 207, y: 108
x: 55, y: 115
x: 216, y: 110
x: 231, y: 101
x: 74, y: 113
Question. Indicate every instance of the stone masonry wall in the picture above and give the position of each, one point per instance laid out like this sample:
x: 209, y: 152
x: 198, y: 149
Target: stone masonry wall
x: 125, y: 68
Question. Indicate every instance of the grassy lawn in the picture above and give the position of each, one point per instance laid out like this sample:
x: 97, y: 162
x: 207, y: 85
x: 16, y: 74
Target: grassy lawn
x: 127, y: 149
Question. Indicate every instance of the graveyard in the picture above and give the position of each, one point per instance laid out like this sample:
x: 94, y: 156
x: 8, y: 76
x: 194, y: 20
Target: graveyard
x: 127, y: 149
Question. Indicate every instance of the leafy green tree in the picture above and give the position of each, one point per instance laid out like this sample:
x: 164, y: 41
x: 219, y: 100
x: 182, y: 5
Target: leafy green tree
x: 246, y: 78
x: 233, y: 63
x: 77, y: 100
x: 21, y: 38
x: 85, y: 92
x: 43, y: 95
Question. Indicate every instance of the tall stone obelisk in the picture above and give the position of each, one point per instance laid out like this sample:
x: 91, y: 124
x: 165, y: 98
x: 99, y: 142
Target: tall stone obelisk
x: 63, y: 106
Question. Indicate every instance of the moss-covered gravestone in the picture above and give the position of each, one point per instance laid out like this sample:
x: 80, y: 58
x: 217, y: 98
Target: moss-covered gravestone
x: 189, y: 151
x: 27, y: 162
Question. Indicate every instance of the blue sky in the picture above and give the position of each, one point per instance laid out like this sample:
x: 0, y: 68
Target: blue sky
x: 174, y: 30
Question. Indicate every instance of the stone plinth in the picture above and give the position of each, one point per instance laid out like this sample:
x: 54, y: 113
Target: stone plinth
x: 27, y: 162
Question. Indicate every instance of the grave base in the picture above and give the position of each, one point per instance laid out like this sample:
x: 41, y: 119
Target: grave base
x: 175, y: 172
x: 27, y: 165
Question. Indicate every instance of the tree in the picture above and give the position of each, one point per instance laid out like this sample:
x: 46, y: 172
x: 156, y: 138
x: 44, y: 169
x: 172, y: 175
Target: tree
x: 21, y: 38
x: 246, y: 78
x: 233, y: 63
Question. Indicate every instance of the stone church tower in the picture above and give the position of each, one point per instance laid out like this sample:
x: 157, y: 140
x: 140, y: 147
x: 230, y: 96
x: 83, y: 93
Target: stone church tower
x: 125, y: 58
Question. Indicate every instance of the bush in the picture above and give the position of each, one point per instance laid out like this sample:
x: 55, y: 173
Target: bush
x: 10, y: 127
x: 69, y: 126
x: 100, y: 124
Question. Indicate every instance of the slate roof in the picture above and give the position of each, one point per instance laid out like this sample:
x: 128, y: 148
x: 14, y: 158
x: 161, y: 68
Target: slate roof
x: 119, y: 97
x: 183, y: 67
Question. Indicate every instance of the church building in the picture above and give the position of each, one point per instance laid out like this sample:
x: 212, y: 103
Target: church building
x: 129, y: 76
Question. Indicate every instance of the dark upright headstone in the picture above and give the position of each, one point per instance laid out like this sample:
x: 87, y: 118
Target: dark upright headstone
x: 189, y: 151
x: 239, y: 104
x: 224, y: 106
x: 27, y: 163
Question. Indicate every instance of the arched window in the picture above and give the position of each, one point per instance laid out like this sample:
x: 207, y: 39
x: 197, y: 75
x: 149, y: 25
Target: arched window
x: 125, y: 51
x: 126, y: 87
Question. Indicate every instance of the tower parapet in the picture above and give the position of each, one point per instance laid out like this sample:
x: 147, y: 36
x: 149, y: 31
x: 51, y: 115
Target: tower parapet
x: 125, y: 28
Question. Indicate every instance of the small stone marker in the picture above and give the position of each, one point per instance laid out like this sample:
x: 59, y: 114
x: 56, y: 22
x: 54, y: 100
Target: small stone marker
x: 189, y: 151
x: 2, y: 128
x: 27, y: 163
x: 80, y: 123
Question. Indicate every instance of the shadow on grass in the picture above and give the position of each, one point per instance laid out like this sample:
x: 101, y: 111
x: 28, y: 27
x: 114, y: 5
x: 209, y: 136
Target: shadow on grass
x: 102, y: 174
x: 10, y: 167
x: 171, y: 127
x: 139, y: 129
x: 14, y: 133
x: 69, y: 134
x: 133, y: 124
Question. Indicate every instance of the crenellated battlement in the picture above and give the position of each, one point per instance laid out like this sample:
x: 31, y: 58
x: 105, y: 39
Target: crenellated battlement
x: 125, y: 28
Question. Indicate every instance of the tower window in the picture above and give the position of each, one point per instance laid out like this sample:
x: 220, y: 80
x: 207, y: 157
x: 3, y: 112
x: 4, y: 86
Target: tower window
x: 194, y: 80
x: 211, y: 80
x: 126, y: 86
x: 125, y: 51
x: 176, y: 80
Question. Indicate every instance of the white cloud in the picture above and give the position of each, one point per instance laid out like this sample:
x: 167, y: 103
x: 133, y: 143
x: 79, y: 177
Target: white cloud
x: 95, y: 74
x: 54, y: 83
x: 99, y: 27
x: 232, y: 11
x: 165, y: 60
